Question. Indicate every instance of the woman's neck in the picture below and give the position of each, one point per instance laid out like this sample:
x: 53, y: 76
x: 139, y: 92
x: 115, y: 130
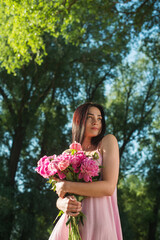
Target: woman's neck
x: 87, y: 145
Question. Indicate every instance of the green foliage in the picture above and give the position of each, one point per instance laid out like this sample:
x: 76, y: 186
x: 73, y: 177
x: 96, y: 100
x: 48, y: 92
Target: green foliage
x: 132, y: 115
x: 137, y: 205
x: 24, y: 24
x: 132, y: 100
x: 101, y: 23
x: 139, y: 196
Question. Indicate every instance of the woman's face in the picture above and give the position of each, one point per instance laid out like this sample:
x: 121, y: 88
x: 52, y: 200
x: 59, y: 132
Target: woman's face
x: 93, y: 125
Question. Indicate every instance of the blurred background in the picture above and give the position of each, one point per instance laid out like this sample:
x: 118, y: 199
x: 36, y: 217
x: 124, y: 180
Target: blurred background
x: 55, y: 55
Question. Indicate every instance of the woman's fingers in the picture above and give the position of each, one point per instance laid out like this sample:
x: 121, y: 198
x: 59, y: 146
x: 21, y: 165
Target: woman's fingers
x: 72, y: 197
x: 74, y: 202
x: 73, y: 206
x: 69, y: 205
x: 72, y: 214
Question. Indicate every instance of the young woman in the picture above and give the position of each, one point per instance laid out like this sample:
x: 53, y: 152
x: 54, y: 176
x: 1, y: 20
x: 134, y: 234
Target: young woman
x: 100, y: 205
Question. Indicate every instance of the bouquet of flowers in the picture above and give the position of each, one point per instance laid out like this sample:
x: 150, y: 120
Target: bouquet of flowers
x: 72, y: 165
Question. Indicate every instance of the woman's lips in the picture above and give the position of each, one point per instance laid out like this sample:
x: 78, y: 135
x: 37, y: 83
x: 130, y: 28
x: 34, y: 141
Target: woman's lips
x: 94, y: 128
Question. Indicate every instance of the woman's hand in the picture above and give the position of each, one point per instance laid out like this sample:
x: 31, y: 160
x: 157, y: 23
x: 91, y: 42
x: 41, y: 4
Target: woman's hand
x: 60, y: 188
x: 69, y: 205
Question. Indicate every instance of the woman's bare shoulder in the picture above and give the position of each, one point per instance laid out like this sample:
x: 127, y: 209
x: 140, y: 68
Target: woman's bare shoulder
x: 108, y: 138
x: 107, y: 141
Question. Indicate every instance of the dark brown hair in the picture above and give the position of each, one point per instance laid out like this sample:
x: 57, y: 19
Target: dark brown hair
x: 79, y: 122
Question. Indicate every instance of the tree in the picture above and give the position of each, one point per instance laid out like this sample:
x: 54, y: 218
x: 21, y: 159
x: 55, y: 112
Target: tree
x: 137, y: 207
x: 23, y: 95
x: 150, y: 166
x: 132, y: 112
x: 139, y: 191
x: 80, y: 22
x: 131, y: 103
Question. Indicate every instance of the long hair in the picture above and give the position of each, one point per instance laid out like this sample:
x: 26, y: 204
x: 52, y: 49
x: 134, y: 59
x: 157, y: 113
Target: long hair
x: 79, y: 122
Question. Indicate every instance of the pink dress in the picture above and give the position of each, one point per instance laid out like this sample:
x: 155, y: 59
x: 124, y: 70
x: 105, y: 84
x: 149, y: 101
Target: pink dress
x: 102, y: 219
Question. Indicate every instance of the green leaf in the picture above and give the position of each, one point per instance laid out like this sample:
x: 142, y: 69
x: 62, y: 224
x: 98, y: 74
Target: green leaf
x: 59, y: 214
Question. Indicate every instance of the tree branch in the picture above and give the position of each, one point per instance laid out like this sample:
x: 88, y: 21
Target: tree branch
x: 98, y: 84
x: 142, y: 118
x: 147, y: 96
x: 10, y: 108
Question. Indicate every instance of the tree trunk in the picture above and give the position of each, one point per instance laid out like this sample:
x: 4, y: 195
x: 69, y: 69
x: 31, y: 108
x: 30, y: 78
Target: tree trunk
x: 15, y: 153
x: 18, y: 139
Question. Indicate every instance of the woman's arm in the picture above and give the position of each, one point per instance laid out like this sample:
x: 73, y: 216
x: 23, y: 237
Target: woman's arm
x: 110, y: 154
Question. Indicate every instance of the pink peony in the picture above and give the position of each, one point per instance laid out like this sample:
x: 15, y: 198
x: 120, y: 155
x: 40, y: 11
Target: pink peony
x: 53, y: 157
x: 76, y: 146
x: 41, y: 161
x: 43, y: 167
x: 53, y: 168
x: 62, y: 165
x: 61, y: 175
x: 64, y: 161
x: 88, y: 169
x: 76, y: 160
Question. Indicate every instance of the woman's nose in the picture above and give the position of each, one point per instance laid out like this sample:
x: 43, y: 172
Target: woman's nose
x: 94, y: 121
